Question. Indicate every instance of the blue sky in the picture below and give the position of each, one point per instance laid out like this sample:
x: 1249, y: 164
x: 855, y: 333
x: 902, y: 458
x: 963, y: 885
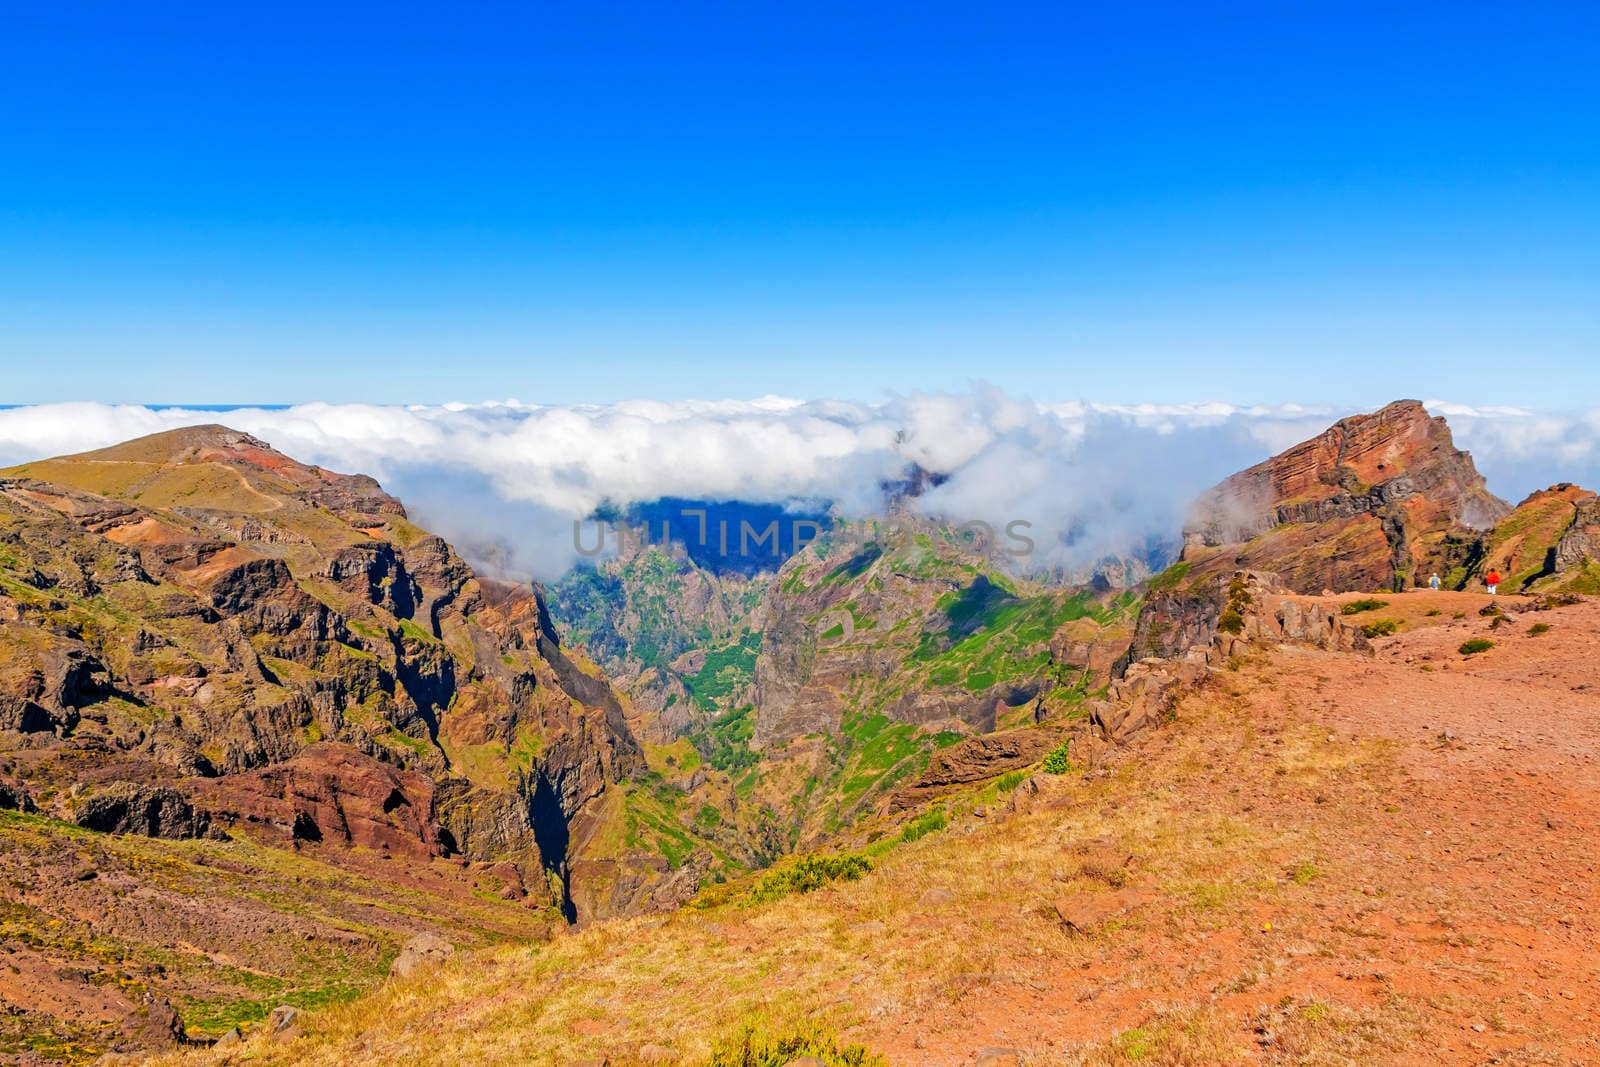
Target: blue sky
x: 397, y: 203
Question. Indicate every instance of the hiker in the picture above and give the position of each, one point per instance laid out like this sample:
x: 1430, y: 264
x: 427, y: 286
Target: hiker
x: 1433, y: 582
x: 1492, y: 580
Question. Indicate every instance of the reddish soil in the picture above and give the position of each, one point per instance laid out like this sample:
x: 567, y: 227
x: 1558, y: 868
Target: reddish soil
x: 1455, y: 907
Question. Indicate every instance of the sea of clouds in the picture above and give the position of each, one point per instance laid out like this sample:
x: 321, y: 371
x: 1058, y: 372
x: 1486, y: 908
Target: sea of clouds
x: 506, y: 481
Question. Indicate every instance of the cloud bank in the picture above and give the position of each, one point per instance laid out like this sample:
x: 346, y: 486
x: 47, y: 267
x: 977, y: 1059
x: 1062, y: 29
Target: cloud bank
x: 505, y: 481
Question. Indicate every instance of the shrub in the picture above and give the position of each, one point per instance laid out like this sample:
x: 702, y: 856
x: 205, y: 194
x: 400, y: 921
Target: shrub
x: 750, y: 1047
x: 925, y: 824
x: 1476, y: 645
x: 1381, y: 628
x: 1538, y: 628
x: 1059, y: 761
x: 1231, y: 621
x: 1434, y: 611
x: 1356, y: 607
x: 807, y: 874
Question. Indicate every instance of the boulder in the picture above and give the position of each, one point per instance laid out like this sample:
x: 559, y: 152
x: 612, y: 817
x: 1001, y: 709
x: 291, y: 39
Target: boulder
x: 424, y: 950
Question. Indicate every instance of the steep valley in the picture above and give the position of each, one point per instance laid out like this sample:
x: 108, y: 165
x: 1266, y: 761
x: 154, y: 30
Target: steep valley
x: 263, y: 738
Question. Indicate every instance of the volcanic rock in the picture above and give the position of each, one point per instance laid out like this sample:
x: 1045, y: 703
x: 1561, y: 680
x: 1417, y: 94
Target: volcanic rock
x: 1376, y: 501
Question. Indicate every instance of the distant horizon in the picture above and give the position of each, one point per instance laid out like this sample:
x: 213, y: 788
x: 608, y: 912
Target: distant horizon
x: 508, y: 480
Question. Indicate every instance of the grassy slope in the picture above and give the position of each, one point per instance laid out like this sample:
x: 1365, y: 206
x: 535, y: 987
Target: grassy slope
x: 891, y: 942
x: 1262, y: 928
x: 223, y: 930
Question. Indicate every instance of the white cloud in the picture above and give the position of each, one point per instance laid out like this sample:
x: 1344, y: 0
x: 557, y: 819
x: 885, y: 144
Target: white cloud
x: 505, y: 480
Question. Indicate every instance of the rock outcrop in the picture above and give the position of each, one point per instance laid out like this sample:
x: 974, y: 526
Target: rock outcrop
x: 1183, y: 639
x: 138, y: 808
x: 422, y: 951
x: 977, y: 759
x: 1376, y: 501
x: 1580, y: 542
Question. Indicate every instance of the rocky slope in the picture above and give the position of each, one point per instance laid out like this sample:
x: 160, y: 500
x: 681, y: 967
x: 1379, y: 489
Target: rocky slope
x: 1359, y: 856
x: 201, y: 638
x: 1375, y: 501
x: 1550, y: 542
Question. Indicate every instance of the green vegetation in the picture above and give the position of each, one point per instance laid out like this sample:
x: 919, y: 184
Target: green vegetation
x: 725, y: 742
x: 1538, y: 628
x: 930, y: 821
x: 753, y: 1048
x: 1304, y: 873
x: 726, y: 670
x: 651, y: 821
x: 876, y: 752
x: 412, y: 630
x: 1476, y: 645
x: 856, y: 565
x: 394, y: 737
x: 1231, y: 620
x: 1010, y: 780
x: 1380, y: 627
x: 807, y: 874
x: 1356, y: 607
x: 1059, y: 759
x: 1170, y: 578
x: 215, y: 1017
x: 1586, y: 581
x: 996, y: 638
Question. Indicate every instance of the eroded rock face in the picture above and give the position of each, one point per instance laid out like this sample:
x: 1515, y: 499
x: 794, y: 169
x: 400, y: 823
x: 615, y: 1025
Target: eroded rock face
x: 211, y: 634
x: 1580, y: 542
x: 1183, y: 637
x: 44, y: 685
x: 1373, y: 502
x: 638, y: 883
x: 15, y: 798
x: 331, y: 793
x: 135, y: 808
x: 861, y: 624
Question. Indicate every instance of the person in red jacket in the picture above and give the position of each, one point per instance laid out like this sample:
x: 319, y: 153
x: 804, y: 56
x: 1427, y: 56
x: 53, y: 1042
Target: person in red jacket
x: 1492, y: 580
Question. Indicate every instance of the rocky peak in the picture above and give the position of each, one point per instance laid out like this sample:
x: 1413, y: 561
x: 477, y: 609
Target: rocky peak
x: 1372, y: 501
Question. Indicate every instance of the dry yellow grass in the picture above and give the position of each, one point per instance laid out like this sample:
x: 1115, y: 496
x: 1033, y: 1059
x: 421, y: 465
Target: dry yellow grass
x: 967, y: 909
x: 1290, y: 908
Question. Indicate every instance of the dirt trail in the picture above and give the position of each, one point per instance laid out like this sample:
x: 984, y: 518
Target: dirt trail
x: 1449, y: 905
